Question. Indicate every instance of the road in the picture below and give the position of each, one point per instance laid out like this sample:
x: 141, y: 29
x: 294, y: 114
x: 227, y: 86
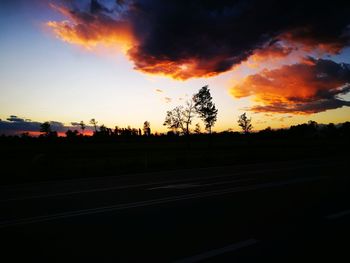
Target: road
x: 281, y: 212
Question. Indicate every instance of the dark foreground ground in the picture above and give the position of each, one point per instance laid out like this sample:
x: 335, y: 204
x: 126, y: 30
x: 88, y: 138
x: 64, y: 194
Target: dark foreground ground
x: 290, y: 211
x: 235, y: 201
x: 26, y: 160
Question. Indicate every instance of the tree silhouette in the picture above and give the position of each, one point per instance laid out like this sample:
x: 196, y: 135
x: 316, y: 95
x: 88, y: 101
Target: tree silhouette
x: 174, y: 119
x: 331, y: 130
x: 188, y: 114
x: 147, y: 128
x: 181, y: 118
x: 245, y: 123
x: 104, y: 131
x: 45, y: 128
x: 313, y: 124
x: 345, y: 129
x: 82, y: 127
x: 205, y: 107
x: 197, y: 130
x: 72, y: 134
x: 116, y: 131
x: 94, y: 123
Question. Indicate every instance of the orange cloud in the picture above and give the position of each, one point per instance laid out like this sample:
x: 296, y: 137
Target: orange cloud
x: 89, y: 30
x: 271, y: 52
x: 303, y: 88
x: 180, y: 70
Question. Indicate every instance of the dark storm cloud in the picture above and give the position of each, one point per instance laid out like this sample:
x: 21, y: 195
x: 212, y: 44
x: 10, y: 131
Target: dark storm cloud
x: 232, y: 30
x: 14, y: 118
x: 195, y: 38
x: 57, y: 126
x: 15, y: 125
x: 96, y: 7
x: 203, y: 38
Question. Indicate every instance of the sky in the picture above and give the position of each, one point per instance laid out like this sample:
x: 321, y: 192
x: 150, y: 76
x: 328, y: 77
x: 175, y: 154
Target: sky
x: 127, y: 61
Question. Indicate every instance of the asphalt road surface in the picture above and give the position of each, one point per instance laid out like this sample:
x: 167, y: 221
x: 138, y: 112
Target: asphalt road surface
x: 273, y: 212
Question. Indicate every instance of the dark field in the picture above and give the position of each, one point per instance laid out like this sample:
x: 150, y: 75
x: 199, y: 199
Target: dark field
x: 33, y: 159
x: 224, y: 198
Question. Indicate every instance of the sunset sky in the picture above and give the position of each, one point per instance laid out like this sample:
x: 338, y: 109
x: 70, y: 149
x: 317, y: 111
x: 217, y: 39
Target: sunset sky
x: 124, y: 62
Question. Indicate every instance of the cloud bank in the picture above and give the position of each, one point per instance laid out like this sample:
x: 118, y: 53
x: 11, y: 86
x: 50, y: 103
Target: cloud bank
x: 196, y: 38
x: 15, y: 126
x: 303, y: 88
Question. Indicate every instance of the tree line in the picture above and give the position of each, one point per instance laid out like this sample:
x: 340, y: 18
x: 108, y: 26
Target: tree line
x: 306, y: 130
x: 99, y: 131
x: 179, y: 121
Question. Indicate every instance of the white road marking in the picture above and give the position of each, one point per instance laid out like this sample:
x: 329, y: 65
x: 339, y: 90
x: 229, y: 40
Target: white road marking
x: 165, y: 200
x: 198, y: 184
x: 218, y: 252
x: 174, y: 186
x: 338, y: 215
x: 114, y: 188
